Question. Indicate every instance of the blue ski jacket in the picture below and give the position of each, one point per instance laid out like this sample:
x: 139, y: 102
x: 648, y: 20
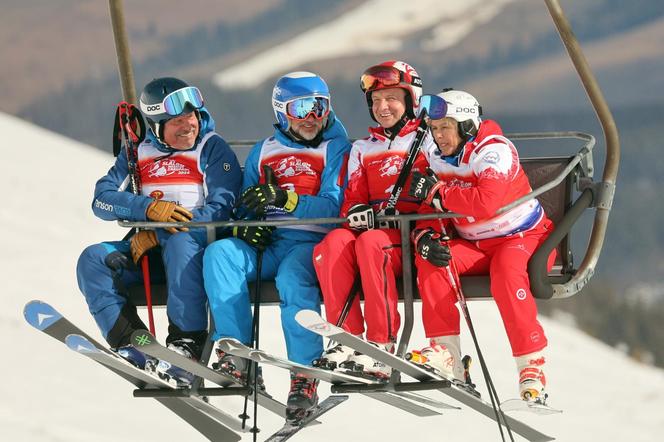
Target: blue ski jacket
x: 214, y: 159
x: 316, y: 174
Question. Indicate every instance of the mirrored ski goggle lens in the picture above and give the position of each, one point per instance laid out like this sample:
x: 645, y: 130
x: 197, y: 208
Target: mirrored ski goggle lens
x: 301, y: 108
x: 436, y: 107
x: 175, y: 102
x: 379, y: 75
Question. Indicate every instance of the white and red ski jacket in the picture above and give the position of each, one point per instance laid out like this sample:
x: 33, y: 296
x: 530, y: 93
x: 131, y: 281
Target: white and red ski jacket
x: 374, y: 165
x: 488, y: 177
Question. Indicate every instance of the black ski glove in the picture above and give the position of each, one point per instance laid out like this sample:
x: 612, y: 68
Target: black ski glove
x: 257, y: 198
x: 426, y: 188
x: 432, y: 247
x: 257, y: 236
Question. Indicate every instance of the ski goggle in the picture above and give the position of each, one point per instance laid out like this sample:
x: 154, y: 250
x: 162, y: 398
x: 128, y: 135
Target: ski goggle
x: 301, y: 108
x: 433, y: 106
x: 176, y: 102
x: 385, y: 76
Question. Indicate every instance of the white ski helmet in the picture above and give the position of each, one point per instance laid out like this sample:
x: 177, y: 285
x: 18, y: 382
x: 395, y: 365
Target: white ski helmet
x: 465, y: 109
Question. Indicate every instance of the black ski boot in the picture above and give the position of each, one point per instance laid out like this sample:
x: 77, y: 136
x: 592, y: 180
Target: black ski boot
x: 302, y: 398
x: 238, y: 368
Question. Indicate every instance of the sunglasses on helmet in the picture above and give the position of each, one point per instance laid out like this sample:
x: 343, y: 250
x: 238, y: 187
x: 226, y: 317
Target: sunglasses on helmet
x: 176, y: 102
x: 301, y: 108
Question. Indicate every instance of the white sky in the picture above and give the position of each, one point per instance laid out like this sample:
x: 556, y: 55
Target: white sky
x: 52, y: 394
x: 376, y: 26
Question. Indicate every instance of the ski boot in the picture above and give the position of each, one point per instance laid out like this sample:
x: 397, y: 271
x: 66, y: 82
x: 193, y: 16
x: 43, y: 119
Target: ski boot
x: 369, y: 367
x: 302, y: 398
x: 166, y: 371
x: 333, y: 357
x: 532, y: 382
x: 442, y: 356
x: 137, y: 358
x: 237, y: 367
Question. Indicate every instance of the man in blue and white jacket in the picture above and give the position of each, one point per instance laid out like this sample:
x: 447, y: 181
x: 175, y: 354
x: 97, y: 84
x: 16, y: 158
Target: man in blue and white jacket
x: 186, y: 172
x: 299, y: 172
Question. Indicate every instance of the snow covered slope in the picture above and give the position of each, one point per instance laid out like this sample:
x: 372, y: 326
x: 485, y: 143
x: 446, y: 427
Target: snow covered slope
x: 51, y: 394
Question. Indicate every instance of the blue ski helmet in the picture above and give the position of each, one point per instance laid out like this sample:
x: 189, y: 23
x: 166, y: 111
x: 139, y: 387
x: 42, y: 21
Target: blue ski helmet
x: 292, y: 86
x: 165, y: 98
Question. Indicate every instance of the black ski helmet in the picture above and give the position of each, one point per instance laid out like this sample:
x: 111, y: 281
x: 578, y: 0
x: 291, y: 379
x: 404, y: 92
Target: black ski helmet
x: 152, y: 98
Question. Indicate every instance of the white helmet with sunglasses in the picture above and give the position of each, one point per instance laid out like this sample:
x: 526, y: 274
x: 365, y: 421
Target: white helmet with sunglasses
x: 465, y: 109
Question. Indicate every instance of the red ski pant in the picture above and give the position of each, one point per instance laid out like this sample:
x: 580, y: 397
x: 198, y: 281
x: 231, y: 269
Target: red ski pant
x: 505, y: 259
x: 374, y: 256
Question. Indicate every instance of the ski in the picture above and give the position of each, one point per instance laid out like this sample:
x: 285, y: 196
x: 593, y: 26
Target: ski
x: 47, y: 319
x: 289, y: 429
x: 395, y: 399
x: 148, y: 344
x: 82, y: 345
x: 235, y: 347
x: 311, y: 320
x: 528, y: 406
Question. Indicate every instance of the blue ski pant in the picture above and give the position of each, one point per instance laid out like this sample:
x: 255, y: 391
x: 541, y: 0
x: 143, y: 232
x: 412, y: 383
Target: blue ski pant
x: 229, y: 264
x: 182, y: 255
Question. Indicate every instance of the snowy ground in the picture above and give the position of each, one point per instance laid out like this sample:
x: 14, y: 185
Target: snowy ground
x: 53, y: 395
x: 376, y: 26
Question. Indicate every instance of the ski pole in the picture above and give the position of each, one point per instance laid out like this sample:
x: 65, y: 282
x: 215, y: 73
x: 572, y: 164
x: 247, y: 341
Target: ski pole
x: 354, y: 291
x: 255, y: 335
x: 255, y: 326
x: 145, y: 267
x: 455, y: 282
x: 126, y: 112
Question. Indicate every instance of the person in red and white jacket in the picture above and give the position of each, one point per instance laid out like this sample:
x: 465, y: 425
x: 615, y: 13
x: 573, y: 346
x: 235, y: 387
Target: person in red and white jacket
x: 363, y: 250
x: 474, y: 171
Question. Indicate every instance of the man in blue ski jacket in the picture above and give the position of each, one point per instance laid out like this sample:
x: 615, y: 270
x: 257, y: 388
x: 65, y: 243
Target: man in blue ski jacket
x: 186, y: 172
x: 296, y: 173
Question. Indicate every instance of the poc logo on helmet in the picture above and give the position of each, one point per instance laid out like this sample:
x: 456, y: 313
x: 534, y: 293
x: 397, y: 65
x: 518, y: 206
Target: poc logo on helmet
x: 153, y: 107
x: 277, y: 104
x: 466, y: 110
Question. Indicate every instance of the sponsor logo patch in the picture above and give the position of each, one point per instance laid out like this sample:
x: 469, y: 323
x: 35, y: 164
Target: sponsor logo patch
x: 521, y: 294
x: 391, y: 165
x: 156, y: 194
x: 534, y: 337
x: 103, y: 206
x: 292, y: 166
x: 491, y: 157
x: 166, y: 168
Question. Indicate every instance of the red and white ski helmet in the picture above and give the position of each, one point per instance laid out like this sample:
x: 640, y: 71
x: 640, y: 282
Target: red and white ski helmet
x: 393, y: 74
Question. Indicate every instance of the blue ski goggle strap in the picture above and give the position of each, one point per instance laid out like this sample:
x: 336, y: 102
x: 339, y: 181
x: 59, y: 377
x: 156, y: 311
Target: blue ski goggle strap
x: 176, y: 102
x: 301, y: 108
x: 436, y: 107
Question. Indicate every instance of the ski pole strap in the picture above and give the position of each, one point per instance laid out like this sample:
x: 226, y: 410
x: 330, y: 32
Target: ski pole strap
x: 128, y: 125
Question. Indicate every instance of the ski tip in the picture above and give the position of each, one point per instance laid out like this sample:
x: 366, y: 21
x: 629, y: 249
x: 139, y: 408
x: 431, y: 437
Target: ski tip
x: 40, y: 315
x: 80, y: 344
x: 314, y: 321
x: 530, y: 407
x: 141, y: 338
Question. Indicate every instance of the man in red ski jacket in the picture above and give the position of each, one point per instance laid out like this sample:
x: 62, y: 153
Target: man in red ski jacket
x: 364, y: 250
x: 474, y: 171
